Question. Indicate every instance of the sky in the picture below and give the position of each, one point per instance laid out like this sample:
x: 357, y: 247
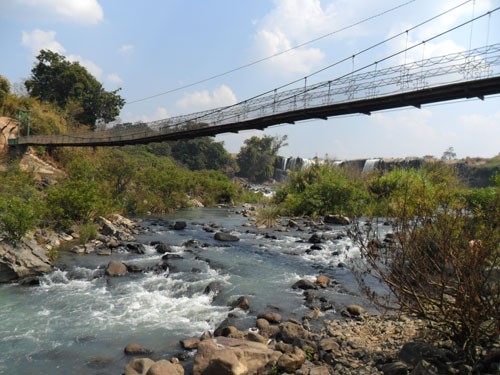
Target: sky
x: 174, y: 57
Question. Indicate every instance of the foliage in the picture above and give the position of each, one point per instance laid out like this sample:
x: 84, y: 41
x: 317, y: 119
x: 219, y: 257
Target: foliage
x: 20, y: 204
x: 449, y: 154
x: 87, y: 231
x: 441, y: 259
x: 69, y: 85
x: 320, y: 190
x: 268, y: 216
x: 4, y: 88
x: 256, y: 158
x: 202, y: 153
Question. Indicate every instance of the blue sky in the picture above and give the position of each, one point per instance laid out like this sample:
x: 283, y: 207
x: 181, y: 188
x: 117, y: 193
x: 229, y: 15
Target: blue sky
x: 153, y: 46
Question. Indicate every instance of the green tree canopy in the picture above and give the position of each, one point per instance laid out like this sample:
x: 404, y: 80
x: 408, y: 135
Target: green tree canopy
x: 4, y: 88
x: 202, y: 153
x: 68, y: 85
x: 256, y: 157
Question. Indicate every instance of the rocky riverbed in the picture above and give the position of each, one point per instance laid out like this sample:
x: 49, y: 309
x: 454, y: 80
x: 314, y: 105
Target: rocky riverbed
x: 305, y: 320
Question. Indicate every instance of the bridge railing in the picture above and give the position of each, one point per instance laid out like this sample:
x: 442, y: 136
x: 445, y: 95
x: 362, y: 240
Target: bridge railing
x: 370, y: 83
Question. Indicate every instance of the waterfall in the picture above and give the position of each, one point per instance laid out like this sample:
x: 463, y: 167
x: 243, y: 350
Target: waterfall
x: 370, y: 165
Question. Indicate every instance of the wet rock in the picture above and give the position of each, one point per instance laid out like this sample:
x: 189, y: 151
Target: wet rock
x: 190, y: 344
x: 133, y: 268
x: 179, y: 225
x: 254, y: 336
x: 226, y: 356
x: 271, y: 317
x: 336, y: 220
x: 104, y: 252
x: 214, y: 287
x: 316, y: 247
x: 192, y: 243
x: 172, y: 256
x: 115, y: 268
x: 162, y: 248
x: 227, y: 237
x: 241, y: 303
x: 135, y: 248
x: 315, y: 239
x: 136, y: 349
x: 322, y: 281
x: 304, y: 285
x: 291, y: 361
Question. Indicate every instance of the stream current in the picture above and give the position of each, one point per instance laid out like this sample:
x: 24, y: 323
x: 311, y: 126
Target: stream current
x: 78, y: 321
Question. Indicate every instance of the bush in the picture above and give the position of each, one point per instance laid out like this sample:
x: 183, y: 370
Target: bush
x: 440, y: 261
x: 321, y: 190
x: 17, y: 217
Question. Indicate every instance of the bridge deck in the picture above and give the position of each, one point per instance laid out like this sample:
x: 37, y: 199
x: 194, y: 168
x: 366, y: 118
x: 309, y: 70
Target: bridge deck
x: 468, y: 89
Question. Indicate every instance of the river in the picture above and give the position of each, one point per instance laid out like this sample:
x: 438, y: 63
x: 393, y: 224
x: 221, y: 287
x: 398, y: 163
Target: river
x: 78, y: 321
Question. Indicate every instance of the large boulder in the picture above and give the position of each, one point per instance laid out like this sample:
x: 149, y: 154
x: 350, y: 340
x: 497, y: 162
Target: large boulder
x: 146, y: 366
x: 292, y: 361
x: 116, y: 269
x: 336, y: 220
x: 228, y: 356
x: 26, y: 259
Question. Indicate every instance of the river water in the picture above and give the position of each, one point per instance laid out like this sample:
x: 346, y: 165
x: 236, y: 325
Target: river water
x: 78, y: 321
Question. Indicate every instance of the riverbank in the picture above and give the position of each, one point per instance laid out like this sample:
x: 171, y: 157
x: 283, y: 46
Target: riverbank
x: 271, y: 300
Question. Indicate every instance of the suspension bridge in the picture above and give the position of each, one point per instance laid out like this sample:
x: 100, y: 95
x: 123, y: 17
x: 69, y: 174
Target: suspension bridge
x: 474, y: 73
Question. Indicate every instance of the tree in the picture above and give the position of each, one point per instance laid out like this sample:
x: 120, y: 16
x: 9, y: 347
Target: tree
x: 69, y: 85
x: 201, y: 153
x: 256, y: 158
x: 449, y: 154
x: 4, y: 88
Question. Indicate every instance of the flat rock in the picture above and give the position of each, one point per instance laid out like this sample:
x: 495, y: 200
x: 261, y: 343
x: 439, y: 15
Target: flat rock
x: 227, y: 237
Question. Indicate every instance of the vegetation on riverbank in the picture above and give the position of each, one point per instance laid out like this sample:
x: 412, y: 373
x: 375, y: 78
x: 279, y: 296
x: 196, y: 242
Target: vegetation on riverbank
x: 442, y: 259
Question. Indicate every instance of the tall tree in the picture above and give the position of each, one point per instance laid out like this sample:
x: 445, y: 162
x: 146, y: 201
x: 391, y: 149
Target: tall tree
x: 256, y: 157
x: 56, y: 80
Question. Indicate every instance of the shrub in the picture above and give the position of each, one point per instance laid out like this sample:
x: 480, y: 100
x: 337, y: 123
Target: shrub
x: 17, y: 217
x: 440, y: 261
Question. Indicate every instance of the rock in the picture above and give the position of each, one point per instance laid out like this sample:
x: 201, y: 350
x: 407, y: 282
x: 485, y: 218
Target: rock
x: 292, y: 361
x: 283, y: 347
x: 179, y: 225
x: 136, y: 349
x: 336, y: 220
x: 254, y: 336
x: 115, y: 268
x: 315, y: 238
x: 138, y: 366
x: 104, y: 252
x: 137, y: 248
x: 227, y: 356
x: 290, y: 332
x: 27, y: 259
x: 322, y: 281
x: 226, y: 237
x: 316, y: 247
x: 241, y: 303
x: 190, y: 344
x: 110, y: 229
x: 112, y: 243
x: 162, y: 248
x: 394, y: 368
x: 163, y: 367
x: 413, y: 352
x: 355, y: 310
x: 271, y: 317
x: 304, y: 285
x: 214, y: 287
x: 133, y: 268
x: 329, y: 344
x: 425, y: 368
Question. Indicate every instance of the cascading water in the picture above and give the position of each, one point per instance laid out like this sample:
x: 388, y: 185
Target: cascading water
x: 78, y: 320
x: 370, y: 165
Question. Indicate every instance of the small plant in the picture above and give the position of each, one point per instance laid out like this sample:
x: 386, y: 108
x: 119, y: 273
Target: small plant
x: 268, y: 216
x: 87, y: 232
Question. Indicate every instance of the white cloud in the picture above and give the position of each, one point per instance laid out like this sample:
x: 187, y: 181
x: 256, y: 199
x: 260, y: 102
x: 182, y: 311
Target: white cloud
x: 114, y: 78
x: 37, y: 40
x: 126, y: 49
x: 202, y: 100
x: 160, y: 113
x: 91, y: 66
x: 290, y: 23
x: 79, y: 11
